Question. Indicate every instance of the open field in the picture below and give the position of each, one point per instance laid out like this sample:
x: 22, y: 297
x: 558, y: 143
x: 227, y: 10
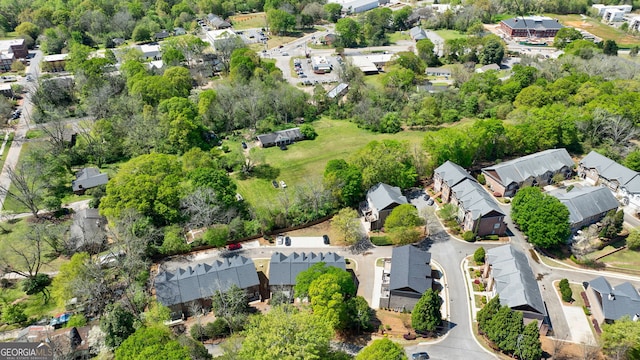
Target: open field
x: 624, y: 259
x: 399, y: 35
x: 598, y: 29
x: 304, y: 162
x: 450, y: 34
x: 248, y: 21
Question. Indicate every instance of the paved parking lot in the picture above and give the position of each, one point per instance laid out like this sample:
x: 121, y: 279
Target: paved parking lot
x: 311, y: 78
x: 303, y: 242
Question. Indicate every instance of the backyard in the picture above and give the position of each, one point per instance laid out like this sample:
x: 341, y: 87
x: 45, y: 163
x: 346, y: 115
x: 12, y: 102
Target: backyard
x: 304, y: 162
x: 598, y: 29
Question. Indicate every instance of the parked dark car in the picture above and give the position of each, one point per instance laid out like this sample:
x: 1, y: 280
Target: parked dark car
x: 426, y: 197
x: 325, y: 238
x: 274, y: 183
x: 419, y: 356
x: 430, y: 202
x: 287, y: 241
x: 234, y: 246
x: 244, y: 145
x: 283, y: 147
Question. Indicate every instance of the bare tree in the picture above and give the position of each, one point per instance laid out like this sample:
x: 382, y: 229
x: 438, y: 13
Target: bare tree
x: 28, y: 188
x: 56, y: 129
x: 27, y: 257
x: 589, y: 351
x: 558, y: 345
x: 428, y: 214
x: 202, y: 209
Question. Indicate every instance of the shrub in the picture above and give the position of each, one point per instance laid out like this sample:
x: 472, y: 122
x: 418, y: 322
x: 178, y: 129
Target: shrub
x: 569, y: 188
x: 478, y: 255
x: 565, y: 290
x: 308, y: 132
x: 217, y: 329
x: 633, y: 240
x: 198, y: 333
x: 469, y: 236
x: 507, y: 200
x: 481, y: 179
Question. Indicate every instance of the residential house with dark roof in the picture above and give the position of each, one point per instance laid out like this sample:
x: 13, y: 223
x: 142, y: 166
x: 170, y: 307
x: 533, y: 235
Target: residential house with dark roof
x: 417, y: 33
x: 195, y: 285
x: 511, y: 277
x: 217, y: 22
x: 283, y: 269
x: 608, y: 303
x: 281, y: 137
x: 381, y: 200
x: 88, y: 178
x: 446, y: 176
x: 161, y: 35
x: 586, y: 205
x: 87, y: 233
x: 65, y: 343
x: 531, y: 26
x: 478, y: 212
x: 506, y: 178
x: 623, y: 182
x: 409, y: 278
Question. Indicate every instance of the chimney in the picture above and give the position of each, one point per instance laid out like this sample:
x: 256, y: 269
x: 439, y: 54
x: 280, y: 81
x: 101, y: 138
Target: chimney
x: 636, y: 317
x: 611, y: 296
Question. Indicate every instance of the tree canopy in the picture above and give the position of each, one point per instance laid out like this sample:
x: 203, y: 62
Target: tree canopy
x: 382, y: 349
x: 405, y: 215
x: 426, y: 315
x: 543, y: 218
x: 153, y: 343
x: 622, y: 339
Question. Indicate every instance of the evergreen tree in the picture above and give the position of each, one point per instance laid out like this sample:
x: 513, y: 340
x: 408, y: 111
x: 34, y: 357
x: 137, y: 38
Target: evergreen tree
x: 426, y: 315
x: 488, y: 312
x: 530, y: 347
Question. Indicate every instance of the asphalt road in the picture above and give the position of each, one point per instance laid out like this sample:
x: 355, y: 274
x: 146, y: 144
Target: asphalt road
x: 23, y: 125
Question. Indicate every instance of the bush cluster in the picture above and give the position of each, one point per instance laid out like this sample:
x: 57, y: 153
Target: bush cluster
x: 565, y: 290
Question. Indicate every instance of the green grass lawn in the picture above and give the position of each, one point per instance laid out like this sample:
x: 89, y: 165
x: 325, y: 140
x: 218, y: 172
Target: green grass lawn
x: 450, y: 34
x: 248, y: 21
x: 381, y: 240
x: 399, y: 35
x: 625, y: 259
x: 304, y: 162
x: 598, y: 29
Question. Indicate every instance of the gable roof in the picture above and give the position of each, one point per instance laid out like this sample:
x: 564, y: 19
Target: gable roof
x: 473, y: 198
x: 383, y: 195
x: 417, y: 33
x: 336, y: 91
x: 283, y: 269
x: 410, y: 269
x: 586, y: 202
x: 88, y: 178
x: 205, y: 279
x: 273, y: 137
x: 452, y: 173
x: 86, y: 229
x: 534, y: 165
x: 217, y: 21
x: 488, y: 67
x: 611, y: 170
x: 619, y: 301
x: 533, y: 23
x: 514, y: 279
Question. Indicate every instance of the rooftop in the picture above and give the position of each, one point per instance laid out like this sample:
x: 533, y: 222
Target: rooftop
x: 611, y: 170
x: 514, y: 279
x: 530, y: 166
x: 586, y: 202
x: 533, y: 22
x: 473, y: 198
x: 619, y: 301
x: 383, y: 195
x: 452, y: 173
x: 410, y: 269
x: 88, y: 178
x: 283, y: 269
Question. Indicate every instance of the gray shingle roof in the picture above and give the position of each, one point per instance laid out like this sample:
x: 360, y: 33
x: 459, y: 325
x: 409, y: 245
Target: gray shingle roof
x: 88, y: 178
x: 288, y: 134
x: 417, y: 33
x: 534, y: 165
x: 410, y: 269
x: 205, y: 279
x: 86, y: 229
x: 337, y: 90
x: 383, y: 195
x: 586, y: 202
x: 452, y: 173
x: 619, y: 301
x: 611, y: 170
x: 472, y: 197
x: 283, y: 269
x: 533, y: 23
x: 514, y: 279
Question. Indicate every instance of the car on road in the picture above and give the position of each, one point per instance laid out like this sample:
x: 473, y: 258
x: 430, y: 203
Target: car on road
x: 29, y: 77
x: 234, y: 247
x: 287, y: 241
x: 280, y: 46
x: 325, y: 238
x: 283, y: 184
x: 274, y: 183
x: 427, y: 197
x: 302, y: 76
x: 279, y: 239
x: 430, y: 202
x: 419, y: 356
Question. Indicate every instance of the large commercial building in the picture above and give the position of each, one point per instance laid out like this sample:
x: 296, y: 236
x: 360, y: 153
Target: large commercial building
x: 531, y: 26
